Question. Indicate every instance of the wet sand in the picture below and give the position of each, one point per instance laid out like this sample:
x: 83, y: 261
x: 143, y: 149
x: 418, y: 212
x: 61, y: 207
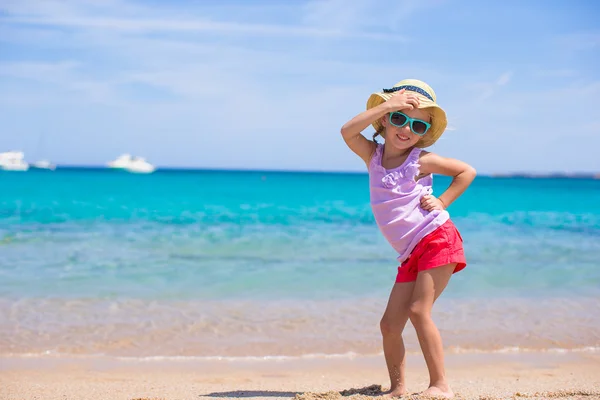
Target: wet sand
x: 472, y: 376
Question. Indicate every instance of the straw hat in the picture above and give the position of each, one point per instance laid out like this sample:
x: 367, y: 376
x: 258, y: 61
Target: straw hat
x: 427, y: 100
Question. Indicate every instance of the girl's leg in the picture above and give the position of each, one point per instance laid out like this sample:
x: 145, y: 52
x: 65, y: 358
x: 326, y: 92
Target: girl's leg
x: 430, y: 284
x: 392, y: 324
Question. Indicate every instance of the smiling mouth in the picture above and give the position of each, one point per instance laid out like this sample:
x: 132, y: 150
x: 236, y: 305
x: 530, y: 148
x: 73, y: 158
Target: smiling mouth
x: 402, y: 137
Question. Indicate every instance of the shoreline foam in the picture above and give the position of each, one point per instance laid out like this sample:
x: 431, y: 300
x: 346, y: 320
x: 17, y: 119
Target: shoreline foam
x: 49, y: 354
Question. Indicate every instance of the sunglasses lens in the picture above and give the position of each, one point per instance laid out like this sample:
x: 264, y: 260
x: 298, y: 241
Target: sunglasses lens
x: 398, y: 119
x: 419, y: 127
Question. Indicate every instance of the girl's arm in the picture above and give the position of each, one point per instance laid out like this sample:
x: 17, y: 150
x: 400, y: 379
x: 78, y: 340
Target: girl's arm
x: 351, y: 131
x: 461, y: 172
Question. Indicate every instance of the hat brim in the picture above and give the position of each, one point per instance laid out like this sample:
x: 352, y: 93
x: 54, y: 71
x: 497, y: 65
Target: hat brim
x: 439, y: 121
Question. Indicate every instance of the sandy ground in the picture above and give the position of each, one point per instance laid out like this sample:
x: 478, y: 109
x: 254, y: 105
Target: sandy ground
x: 472, y: 376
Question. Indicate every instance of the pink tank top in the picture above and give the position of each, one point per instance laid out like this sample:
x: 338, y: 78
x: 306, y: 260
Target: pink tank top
x: 396, y: 202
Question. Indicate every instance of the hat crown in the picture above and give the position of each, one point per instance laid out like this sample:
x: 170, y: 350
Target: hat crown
x: 420, y: 84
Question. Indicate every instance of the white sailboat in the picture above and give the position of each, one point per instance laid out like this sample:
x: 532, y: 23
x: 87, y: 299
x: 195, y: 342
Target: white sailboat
x: 13, y: 161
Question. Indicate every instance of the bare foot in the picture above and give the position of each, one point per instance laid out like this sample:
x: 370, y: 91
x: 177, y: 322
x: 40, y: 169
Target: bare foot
x: 439, y: 392
x: 397, y: 392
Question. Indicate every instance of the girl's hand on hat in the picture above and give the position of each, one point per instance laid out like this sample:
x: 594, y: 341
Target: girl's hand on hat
x: 403, y: 101
x: 430, y: 203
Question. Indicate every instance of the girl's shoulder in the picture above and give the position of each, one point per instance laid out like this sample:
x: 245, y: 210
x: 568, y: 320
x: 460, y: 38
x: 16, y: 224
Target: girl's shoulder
x: 426, y: 156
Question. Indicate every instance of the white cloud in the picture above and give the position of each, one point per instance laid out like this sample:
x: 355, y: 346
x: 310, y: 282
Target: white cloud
x: 82, y: 16
x: 183, y: 25
x: 39, y: 71
x: 365, y: 15
x: 504, y: 78
x: 62, y: 76
x: 486, y: 90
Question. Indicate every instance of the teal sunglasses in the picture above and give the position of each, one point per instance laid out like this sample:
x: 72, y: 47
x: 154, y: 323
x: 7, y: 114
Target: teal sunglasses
x: 417, y: 126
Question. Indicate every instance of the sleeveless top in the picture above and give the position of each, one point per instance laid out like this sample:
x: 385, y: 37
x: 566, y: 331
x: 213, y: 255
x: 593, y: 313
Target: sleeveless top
x: 396, y: 202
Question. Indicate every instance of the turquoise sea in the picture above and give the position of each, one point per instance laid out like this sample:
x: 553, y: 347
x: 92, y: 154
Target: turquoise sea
x: 280, y: 264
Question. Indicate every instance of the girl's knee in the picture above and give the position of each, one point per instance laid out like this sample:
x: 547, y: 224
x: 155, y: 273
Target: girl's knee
x: 391, y: 327
x: 418, y: 312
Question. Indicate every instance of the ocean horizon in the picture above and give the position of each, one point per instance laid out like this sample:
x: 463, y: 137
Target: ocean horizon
x: 175, y: 168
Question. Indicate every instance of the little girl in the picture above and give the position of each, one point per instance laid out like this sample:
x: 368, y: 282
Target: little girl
x: 415, y: 223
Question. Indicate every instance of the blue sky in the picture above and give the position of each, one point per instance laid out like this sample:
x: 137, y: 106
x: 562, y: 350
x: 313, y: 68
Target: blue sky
x: 268, y: 84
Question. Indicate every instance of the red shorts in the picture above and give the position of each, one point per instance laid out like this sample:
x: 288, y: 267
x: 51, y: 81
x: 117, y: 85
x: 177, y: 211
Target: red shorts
x: 441, y: 247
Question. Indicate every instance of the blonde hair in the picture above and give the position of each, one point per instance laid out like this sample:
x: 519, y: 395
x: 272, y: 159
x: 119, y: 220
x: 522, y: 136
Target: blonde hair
x: 378, y: 133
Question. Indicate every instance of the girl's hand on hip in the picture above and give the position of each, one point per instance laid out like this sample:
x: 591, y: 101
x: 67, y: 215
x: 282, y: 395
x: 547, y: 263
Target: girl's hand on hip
x: 430, y: 203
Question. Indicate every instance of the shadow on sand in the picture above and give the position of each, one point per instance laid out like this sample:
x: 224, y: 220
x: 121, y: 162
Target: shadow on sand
x: 373, y: 390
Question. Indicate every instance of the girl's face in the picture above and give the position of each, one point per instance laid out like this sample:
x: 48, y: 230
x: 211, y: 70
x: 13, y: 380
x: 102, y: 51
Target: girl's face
x: 403, y: 137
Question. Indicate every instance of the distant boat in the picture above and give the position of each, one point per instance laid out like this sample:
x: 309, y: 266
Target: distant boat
x: 140, y: 166
x: 43, y: 164
x: 129, y: 163
x: 13, y: 161
x: 120, y: 162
